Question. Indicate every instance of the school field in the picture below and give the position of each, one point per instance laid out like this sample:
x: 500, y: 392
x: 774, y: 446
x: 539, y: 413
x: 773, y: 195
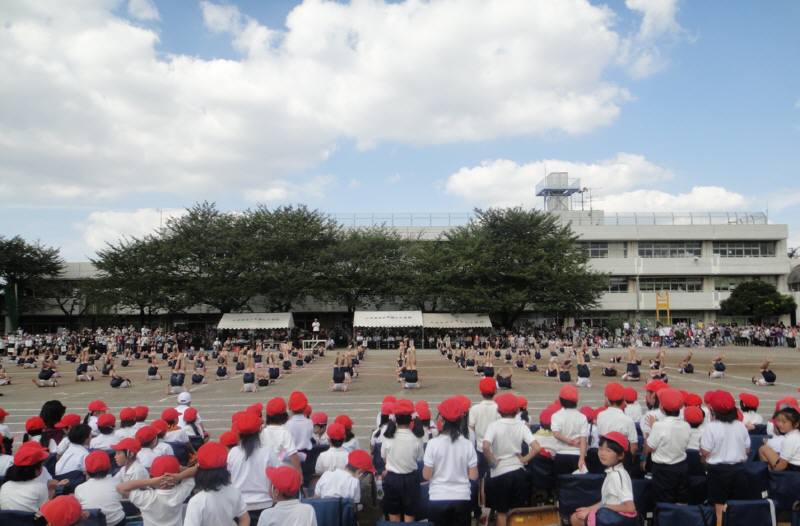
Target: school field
x: 216, y: 401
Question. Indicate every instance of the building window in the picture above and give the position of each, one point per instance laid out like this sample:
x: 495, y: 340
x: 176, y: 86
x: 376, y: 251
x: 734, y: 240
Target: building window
x: 728, y: 283
x: 596, y: 249
x: 618, y: 285
x: 744, y: 249
x: 670, y: 249
x: 677, y: 284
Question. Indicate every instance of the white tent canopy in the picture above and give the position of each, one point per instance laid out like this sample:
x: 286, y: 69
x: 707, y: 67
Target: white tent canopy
x: 256, y: 320
x: 396, y: 318
x: 455, y: 320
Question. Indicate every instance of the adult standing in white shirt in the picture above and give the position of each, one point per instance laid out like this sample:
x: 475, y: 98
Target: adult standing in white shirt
x: 667, y: 443
x: 571, y: 428
x: 450, y: 462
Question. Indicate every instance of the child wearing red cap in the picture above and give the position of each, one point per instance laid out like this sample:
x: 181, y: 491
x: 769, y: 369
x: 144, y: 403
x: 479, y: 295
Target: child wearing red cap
x: 299, y: 425
x: 507, y: 486
x: 613, y: 418
x: 175, y: 433
x: 695, y: 417
x: 100, y: 489
x: 320, y: 422
x: 284, y: 487
x: 653, y: 413
x: 450, y: 462
x: 275, y: 435
x: 62, y: 511
x: 617, y: 491
x: 247, y: 464
x: 217, y: 502
x: 632, y: 406
x: 767, y: 376
x: 571, y: 428
x: 724, y: 446
x: 548, y: 444
x: 401, y: 449
x: 335, y: 456
x: 667, y: 443
x: 480, y: 416
x: 161, y: 497
x: 125, y: 457
x: 4, y: 429
x: 749, y: 405
x: 24, y: 489
x: 106, y: 437
x: 345, y: 482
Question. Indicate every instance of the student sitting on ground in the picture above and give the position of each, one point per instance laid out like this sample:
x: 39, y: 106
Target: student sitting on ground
x: 767, y: 377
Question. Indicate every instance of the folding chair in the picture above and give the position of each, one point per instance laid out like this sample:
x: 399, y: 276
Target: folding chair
x: 19, y: 518
x: 684, y: 515
x: 784, y: 489
x: 756, y: 441
x: 577, y: 491
x: 326, y: 510
x: 606, y: 517
x: 749, y: 513
x: 756, y: 475
x: 643, y: 498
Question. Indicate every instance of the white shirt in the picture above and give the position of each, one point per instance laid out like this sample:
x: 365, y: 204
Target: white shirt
x: 178, y: 435
x: 72, y: 459
x: 450, y: 462
x: 180, y: 408
x: 215, y: 508
x: 402, y: 451
x: 669, y: 440
x: 5, y: 430
x: 546, y: 440
x: 125, y: 432
x: 614, y: 419
x: 102, y: 494
x: 6, y: 461
x: 634, y: 410
x: 480, y: 416
x: 694, y: 437
x: 790, y: 449
x: 162, y: 448
x: 339, y: 483
x: 617, y: 486
x: 643, y: 422
x: 23, y: 496
x: 315, y: 326
x: 279, y: 440
x: 572, y: 424
x: 288, y: 512
x: 351, y: 445
x: 331, y: 459
x: 249, y: 475
x: 136, y: 471
x: 103, y: 441
x: 162, y: 507
x: 92, y: 422
x: 725, y: 443
x: 506, y: 437
x: 301, y: 430
x: 752, y: 418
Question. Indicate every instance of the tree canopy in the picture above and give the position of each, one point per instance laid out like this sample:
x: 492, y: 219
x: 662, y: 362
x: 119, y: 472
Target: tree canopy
x: 757, y: 301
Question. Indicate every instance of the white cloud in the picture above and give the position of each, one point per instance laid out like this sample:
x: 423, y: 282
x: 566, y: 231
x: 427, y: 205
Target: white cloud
x: 143, y: 9
x: 111, y: 226
x: 641, y: 52
x: 394, y: 179
x: 699, y: 198
x: 282, y: 191
x: 90, y: 106
x: 658, y: 17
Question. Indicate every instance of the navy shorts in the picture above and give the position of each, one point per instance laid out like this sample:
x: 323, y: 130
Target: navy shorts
x: 401, y: 493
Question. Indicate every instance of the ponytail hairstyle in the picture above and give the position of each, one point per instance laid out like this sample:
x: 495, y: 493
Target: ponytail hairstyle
x: 249, y: 443
x: 453, y: 429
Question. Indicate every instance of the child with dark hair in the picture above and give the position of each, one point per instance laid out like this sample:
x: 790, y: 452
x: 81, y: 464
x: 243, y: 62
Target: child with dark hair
x: 787, y: 421
x: 24, y: 489
x: 100, y: 489
x: 161, y: 497
x: 767, y: 376
x: 401, y: 450
x: 724, y: 446
x: 216, y: 501
x: 107, y: 438
x: 285, y: 486
x: 346, y: 482
x: 571, y: 428
x: 335, y: 456
x: 617, y: 490
x: 125, y: 456
x: 72, y: 459
x: 247, y: 463
x: 668, y: 441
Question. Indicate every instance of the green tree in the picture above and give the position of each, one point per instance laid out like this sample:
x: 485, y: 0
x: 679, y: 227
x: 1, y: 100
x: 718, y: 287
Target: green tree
x: 758, y: 301
x: 423, y: 275
x: 362, y: 267
x: 24, y: 267
x: 507, y: 261
x: 288, y: 242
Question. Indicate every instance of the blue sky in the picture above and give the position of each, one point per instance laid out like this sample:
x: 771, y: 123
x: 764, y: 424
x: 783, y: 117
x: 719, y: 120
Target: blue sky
x: 117, y: 113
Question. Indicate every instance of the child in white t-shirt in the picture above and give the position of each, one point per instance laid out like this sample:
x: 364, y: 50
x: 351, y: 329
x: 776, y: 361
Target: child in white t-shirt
x: 100, y: 489
x: 217, y: 502
x: 345, y: 482
x: 160, y: 498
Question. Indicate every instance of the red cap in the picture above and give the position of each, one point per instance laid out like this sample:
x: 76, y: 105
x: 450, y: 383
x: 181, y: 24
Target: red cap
x: 127, y: 414
x: 506, y: 403
x: 693, y: 400
x: 106, y: 420
x: 546, y: 416
x: 655, y: 386
x: 670, y: 399
x: 97, y: 405
x: 630, y: 394
x: 146, y: 434
x: 487, y: 386
x: 615, y: 392
x: 163, y: 465
x: 68, y: 420
x: 693, y: 414
x: 256, y: 409
x: 307, y: 411
x: 749, y: 400
x: 212, y: 455
x: 619, y: 438
x: 319, y: 419
x: 389, y: 398
x: 464, y: 402
x: 34, y: 423
x: 97, y: 461
x: 127, y: 444
x: 190, y: 415
x: 360, y: 459
x: 522, y: 402
x: 588, y: 412
x: 30, y: 453
x: 568, y: 392
x: 3, y: 413
x: 276, y: 406
x: 345, y: 421
x: 387, y: 408
x: 141, y: 412
x: 160, y: 426
x: 170, y: 414
x: 424, y: 412
x: 248, y: 424
x: 297, y: 402
x: 450, y: 410
x: 285, y: 479
x: 404, y: 407
x: 336, y: 431
x: 229, y: 439
x: 707, y: 396
x: 61, y: 511
x: 420, y: 403
x: 722, y: 402
x: 787, y: 401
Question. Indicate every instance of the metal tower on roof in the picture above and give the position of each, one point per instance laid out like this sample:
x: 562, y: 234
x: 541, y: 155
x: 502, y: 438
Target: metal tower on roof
x: 557, y: 189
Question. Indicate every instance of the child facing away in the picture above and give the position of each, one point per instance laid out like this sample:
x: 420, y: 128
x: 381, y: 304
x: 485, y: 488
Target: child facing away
x: 217, y: 501
x: 100, y: 489
x: 617, y: 490
x: 285, y: 487
x: 346, y: 482
x: 161, y: 497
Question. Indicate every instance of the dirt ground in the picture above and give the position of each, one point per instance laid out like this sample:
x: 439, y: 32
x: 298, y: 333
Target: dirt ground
x: 218, y: 400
